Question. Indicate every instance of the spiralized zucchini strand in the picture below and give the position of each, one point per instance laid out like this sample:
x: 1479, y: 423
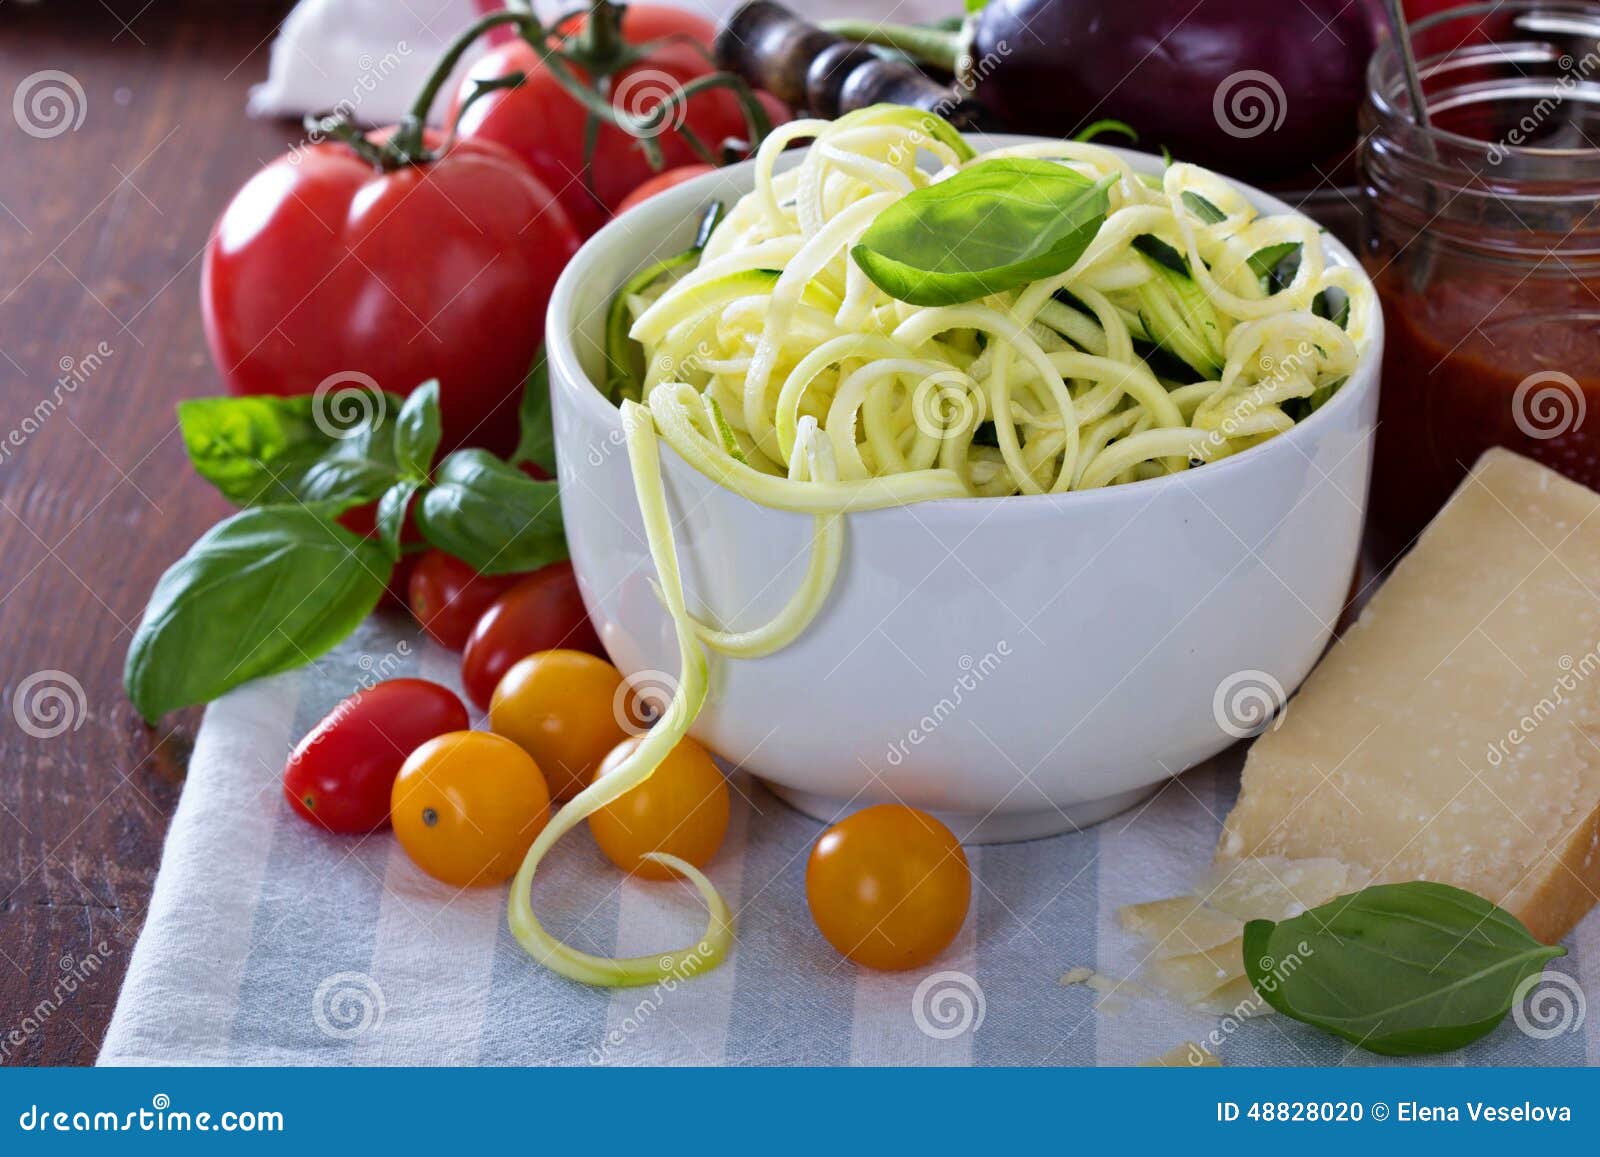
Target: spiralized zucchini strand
x: 654, y: 747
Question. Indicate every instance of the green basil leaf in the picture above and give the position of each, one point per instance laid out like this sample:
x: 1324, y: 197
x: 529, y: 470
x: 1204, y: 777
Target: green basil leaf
x: 491, y: 515
x: 417, y: 431
x: 537, y: 442
x: 1161, y: 253
x: 354, y: 470
x: 261, y: 592
x: 1276, y: 265
x: 1203, y: 208
x: 990, y: 227
x: 391, y: 518
x: 260, y: 449
x: 1333, y: 303
x: 1398, y: 969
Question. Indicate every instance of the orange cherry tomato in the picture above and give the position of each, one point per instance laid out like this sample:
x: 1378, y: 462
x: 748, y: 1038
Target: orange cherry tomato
x: 467, y: 805
x: 564, y: 708
x: 888, y: 887
x: 682, y: 809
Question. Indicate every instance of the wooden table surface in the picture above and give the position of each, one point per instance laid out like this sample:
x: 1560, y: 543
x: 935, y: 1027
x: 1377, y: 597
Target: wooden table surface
x: 101, y: 232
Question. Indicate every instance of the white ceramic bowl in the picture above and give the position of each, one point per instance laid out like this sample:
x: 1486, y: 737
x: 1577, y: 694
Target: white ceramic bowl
x: 1019, y: 666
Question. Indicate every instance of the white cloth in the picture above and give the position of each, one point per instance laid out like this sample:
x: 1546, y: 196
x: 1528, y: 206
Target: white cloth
x: 364, y: 58
x: 268, y: 942
x: 369, y: 57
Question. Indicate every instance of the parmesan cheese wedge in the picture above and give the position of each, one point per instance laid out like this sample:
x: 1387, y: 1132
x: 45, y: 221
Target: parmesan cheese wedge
x: 1196, y: 975
x: 1181, y: 925
x: 1273, y: 888
x: 1453, y: 733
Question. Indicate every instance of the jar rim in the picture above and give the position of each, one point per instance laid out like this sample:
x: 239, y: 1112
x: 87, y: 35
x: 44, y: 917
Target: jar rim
x: 1388, y: 97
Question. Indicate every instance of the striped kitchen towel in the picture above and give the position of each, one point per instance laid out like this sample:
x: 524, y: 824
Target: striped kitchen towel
x: 268, y: 942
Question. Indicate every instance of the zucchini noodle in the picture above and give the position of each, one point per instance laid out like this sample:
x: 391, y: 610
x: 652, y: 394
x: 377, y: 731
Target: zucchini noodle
x: 1188, y: 329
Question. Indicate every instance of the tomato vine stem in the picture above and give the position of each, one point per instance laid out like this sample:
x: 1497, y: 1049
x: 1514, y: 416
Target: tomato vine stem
x: 599, y: 50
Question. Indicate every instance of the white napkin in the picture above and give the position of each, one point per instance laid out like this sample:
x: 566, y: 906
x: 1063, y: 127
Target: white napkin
x: 268, y: 942
x: 369, y: 57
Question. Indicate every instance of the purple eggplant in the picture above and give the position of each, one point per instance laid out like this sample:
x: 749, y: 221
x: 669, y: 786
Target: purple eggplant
x: 1260, y: 89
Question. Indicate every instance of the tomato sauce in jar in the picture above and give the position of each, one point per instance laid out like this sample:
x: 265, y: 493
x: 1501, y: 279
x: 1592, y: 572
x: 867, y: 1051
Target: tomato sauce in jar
x: 1483, y: 237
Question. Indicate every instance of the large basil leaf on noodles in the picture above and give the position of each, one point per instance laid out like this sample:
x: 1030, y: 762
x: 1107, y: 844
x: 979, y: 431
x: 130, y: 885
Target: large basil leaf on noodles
x: 990, y: 227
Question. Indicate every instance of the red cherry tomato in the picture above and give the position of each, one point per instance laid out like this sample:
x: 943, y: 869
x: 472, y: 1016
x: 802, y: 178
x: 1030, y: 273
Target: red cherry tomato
x: 543, y: 612
x: 541, y: 123
x: 448, y: 597
x: 660, y: 183
x: 326, y: 271
x: 341, y: 774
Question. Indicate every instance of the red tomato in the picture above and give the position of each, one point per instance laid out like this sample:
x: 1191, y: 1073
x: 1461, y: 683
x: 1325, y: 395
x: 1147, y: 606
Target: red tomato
x: 448, y: 597
x: 543, y: 612
x: 660, y: 183
x: 341, y: 774
x: 326, y: 271
x: 540, y: 122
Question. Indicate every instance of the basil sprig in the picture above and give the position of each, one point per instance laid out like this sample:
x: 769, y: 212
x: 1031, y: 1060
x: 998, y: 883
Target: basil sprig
x: 265, y: 449
x: 1398, y: 969
x: 486, y: 511
x: 282, y: 582
x: 990, y: 227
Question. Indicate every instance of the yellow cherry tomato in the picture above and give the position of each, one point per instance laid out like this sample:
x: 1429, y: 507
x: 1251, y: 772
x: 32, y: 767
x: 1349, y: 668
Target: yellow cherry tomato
x: 888, y: 887
x: 682, y: 809
x: 467, y: 805
x: 562, y: 708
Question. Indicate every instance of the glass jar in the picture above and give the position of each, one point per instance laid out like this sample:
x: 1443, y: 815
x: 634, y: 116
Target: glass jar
x: 1483, y: 236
